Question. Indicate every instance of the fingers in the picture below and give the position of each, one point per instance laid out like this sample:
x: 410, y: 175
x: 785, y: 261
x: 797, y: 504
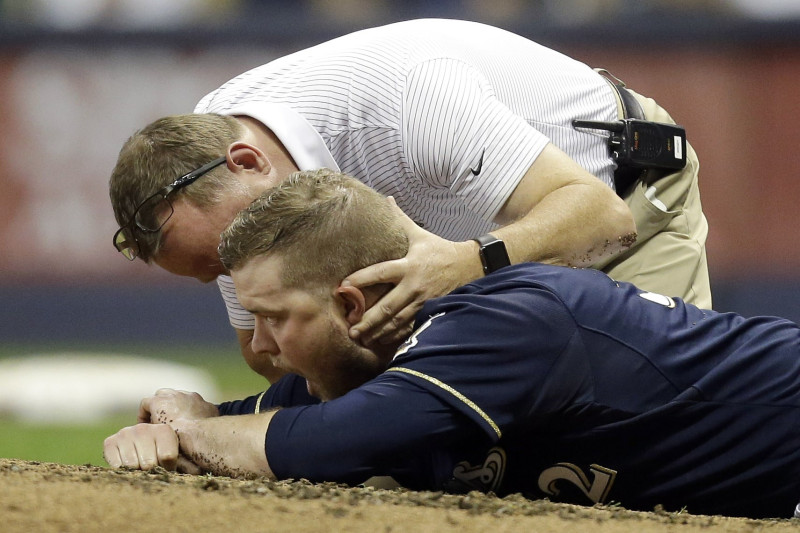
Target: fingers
x: 167, y: 405
x: 142, y: 447
x: 144, y: 415
x: 425, y: 272
x: 389, y: 271
x: 167, y: 448
x: 111, y: 453
x: 381, y: 325
x: 395, y: 336
x: 388, y: 314
x: 386, y: 272
x: 375, y: 318
x: 148, y: 406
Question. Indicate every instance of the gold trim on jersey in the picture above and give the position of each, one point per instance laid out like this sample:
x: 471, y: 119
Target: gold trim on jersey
x: 472, y: 405
x: 258, y: 403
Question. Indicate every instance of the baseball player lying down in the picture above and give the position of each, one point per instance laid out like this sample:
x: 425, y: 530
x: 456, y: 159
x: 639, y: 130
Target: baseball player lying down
x: 544, y: 380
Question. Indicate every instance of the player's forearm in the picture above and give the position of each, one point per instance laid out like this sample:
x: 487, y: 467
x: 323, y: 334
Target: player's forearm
x: 576, y: 225
x: 561, y: 214
x: 227, y: 445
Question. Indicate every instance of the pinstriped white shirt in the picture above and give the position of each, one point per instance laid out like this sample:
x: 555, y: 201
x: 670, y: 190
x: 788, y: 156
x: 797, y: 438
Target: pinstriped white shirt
x: 444, y: 115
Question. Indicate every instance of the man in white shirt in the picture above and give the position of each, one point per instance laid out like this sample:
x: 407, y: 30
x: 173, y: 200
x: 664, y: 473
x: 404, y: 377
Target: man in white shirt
x: 468, y: 128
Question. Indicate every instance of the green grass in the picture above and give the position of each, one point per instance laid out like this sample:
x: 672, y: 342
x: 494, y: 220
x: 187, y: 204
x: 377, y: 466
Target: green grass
x: 83, y: 443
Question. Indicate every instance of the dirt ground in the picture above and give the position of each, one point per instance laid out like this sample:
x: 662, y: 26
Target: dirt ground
x: 47, y: 497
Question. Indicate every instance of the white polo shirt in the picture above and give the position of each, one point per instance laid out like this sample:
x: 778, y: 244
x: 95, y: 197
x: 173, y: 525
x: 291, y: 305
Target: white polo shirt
x: 444, y: 115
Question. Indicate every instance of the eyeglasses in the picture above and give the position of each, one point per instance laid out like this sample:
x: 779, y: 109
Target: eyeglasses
x: 153, y: 213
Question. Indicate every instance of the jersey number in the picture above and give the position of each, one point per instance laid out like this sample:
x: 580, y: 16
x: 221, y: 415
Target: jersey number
x: 596, y: 490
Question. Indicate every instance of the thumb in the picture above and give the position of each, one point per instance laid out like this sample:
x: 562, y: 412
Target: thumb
x: 144, y: 411
x: 186, y: 466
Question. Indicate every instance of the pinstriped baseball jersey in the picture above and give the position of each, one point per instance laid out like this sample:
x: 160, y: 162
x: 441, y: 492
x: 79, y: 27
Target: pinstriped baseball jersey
x: 444, y: 115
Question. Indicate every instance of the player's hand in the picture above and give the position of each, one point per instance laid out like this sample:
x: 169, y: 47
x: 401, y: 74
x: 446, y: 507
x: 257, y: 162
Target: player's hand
x: 167, y: 405
x: 145, y: 446
x: 433, y: 267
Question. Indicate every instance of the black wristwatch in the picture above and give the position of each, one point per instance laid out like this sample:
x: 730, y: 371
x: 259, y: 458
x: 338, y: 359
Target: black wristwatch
x: 493, y: 253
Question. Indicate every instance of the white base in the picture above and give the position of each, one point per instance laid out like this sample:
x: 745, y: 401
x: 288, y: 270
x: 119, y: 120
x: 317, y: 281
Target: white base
x: 82, y: 388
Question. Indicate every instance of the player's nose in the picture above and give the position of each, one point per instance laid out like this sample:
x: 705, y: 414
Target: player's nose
x: 263, y: 342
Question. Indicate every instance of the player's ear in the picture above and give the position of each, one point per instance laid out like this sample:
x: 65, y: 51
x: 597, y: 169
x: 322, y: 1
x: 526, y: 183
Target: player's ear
x: 247, y: 158
x: 353, y: 301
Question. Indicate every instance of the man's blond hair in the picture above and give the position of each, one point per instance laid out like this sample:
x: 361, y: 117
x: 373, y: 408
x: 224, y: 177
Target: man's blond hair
x: 325, y: 225
x: 161, y: 152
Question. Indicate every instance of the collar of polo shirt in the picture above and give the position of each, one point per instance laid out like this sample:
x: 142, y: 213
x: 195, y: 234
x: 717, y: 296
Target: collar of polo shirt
x: 302, y: 141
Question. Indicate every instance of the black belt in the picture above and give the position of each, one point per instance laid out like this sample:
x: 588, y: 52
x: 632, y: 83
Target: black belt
x: 638, y: 145
x: 630, y: 105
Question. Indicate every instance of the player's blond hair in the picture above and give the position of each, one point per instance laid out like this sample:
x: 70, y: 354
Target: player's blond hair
x: 324, y: 224
x: 161, y: 152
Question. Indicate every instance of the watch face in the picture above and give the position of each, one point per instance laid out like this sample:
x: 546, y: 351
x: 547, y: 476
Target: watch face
x: 494, y: 256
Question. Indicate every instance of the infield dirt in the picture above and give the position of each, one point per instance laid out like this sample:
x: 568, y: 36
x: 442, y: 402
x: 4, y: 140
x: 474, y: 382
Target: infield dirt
x: 47, y: 497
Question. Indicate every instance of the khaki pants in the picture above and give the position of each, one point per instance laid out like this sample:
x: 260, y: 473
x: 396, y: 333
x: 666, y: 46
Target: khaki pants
x: 669, y: 256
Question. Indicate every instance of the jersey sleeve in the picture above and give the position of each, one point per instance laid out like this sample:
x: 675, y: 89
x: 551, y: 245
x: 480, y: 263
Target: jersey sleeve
x: 387, y: 427
x: 458, y: 135
x: 237, y: 315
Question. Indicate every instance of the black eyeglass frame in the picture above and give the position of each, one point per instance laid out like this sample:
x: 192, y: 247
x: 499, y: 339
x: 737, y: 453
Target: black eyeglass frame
x: 128, y: 245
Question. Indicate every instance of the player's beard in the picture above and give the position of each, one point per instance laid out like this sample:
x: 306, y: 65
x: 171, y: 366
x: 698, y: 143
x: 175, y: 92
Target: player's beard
x: 345, y: 366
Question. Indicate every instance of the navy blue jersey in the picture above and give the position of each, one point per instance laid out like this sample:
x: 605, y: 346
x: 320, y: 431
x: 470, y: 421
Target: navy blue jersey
x: 563, y: 383
x: 286, y: 392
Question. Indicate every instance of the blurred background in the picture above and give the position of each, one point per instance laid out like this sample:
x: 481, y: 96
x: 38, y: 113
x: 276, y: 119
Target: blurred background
x: 77, y: 77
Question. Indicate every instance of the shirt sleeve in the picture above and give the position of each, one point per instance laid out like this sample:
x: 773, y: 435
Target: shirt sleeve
x: 460, y: 136
x: 387, y: 427
x: 237, y: 315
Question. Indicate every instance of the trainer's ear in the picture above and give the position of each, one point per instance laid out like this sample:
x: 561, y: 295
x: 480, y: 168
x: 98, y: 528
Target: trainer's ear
x: 353, y: 301
x: 247, y: 158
